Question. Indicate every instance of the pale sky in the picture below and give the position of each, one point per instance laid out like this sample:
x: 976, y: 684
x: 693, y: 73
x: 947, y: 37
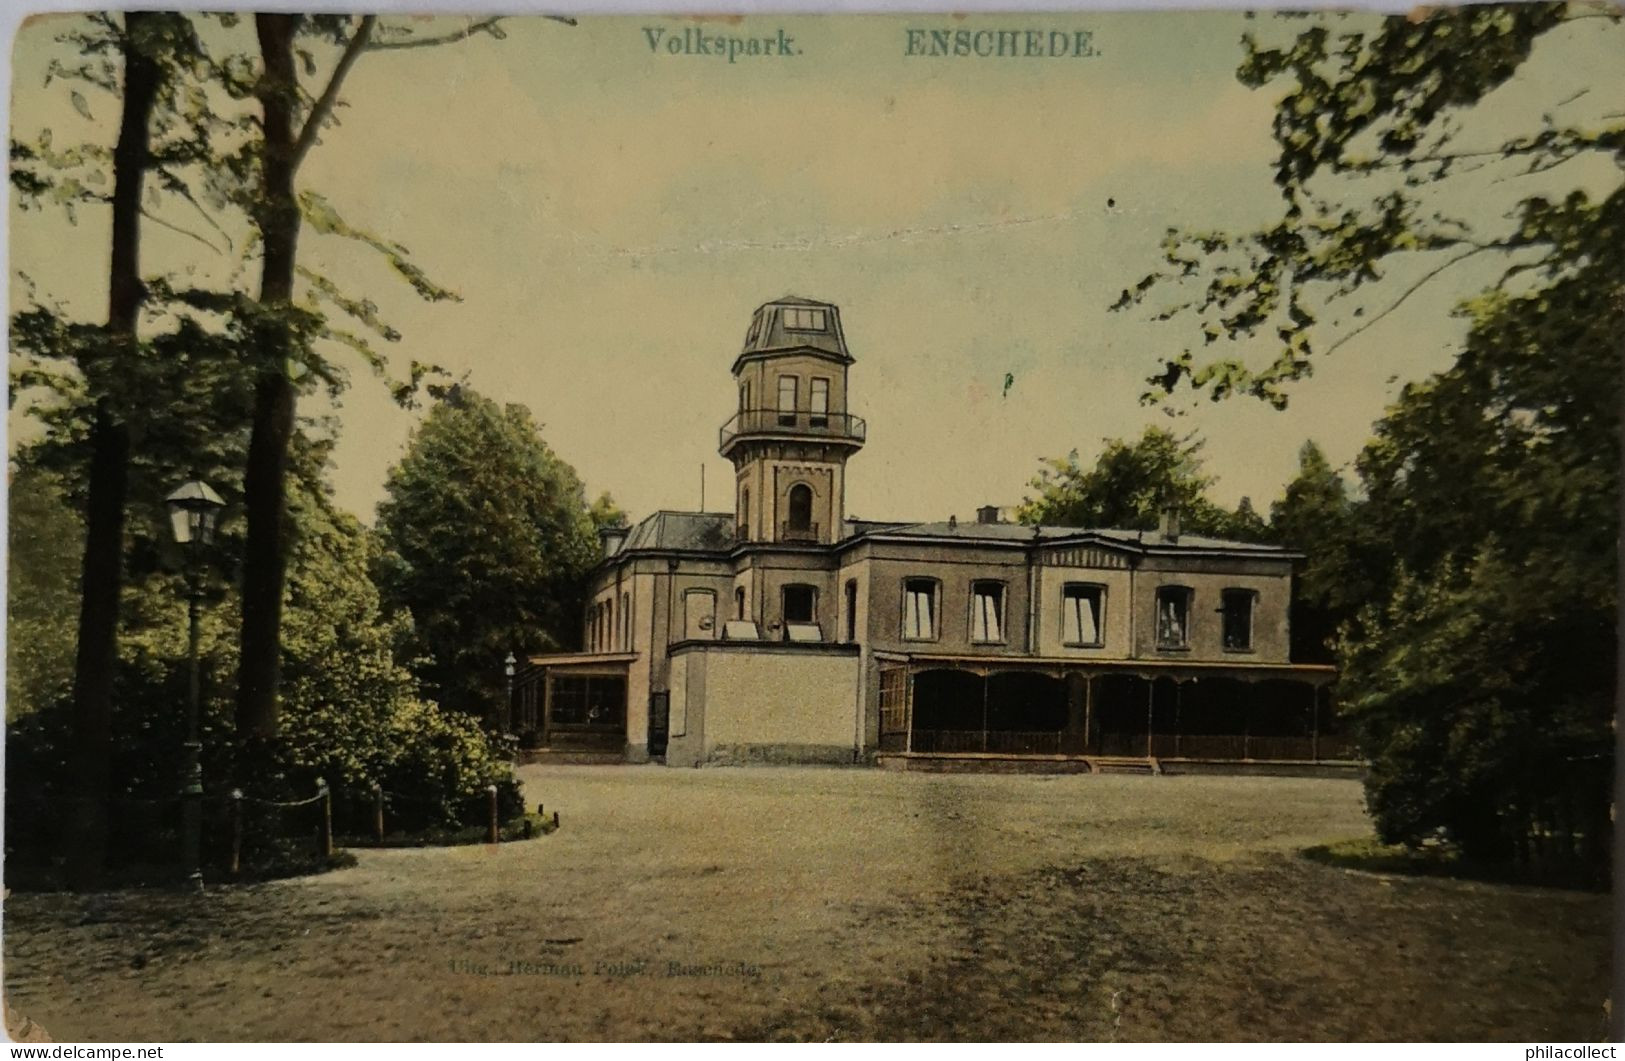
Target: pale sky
x: 611, y: 216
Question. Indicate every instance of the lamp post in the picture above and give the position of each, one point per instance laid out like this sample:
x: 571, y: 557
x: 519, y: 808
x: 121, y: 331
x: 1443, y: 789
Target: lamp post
x: 507, y: 710
x: 193, y: 508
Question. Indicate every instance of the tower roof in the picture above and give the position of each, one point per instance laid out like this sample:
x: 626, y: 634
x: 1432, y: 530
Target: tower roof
x: 795, y: 324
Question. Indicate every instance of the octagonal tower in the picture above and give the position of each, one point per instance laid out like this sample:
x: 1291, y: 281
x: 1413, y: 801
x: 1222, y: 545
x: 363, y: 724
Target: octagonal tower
x: 791, y: 436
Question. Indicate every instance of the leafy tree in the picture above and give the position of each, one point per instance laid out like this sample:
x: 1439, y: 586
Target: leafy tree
x: 1477, y: 578
x: 352, y: 714
x: 282, y: 330
x: 236, y: 168
x: 1373, y: 175
x: 1481, y: 676
x: 486, y: 537
x: 42, y: 592
x: 1316, y: 516
x: 150, y: 48
x: 1245, y: 524
x: 1130, y: 485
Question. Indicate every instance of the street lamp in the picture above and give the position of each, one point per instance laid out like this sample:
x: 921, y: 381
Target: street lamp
x: 507, y: 710
x: 193, y: 509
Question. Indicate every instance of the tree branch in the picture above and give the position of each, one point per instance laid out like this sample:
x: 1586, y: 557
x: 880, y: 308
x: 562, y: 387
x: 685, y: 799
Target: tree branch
x: 330, y: 94
x: 484, y: 25
x: 1413, y: 289
x: 155, y: 219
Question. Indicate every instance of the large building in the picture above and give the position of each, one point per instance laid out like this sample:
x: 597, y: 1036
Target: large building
x: 784, y: 631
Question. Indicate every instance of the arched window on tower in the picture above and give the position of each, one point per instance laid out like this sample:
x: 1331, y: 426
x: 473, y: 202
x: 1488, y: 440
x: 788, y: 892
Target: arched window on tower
x: 800, y: 521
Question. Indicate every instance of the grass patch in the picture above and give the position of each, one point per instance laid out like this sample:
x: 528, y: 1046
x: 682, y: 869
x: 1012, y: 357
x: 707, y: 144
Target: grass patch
x: 446, y: 836
x: 1370, y: 855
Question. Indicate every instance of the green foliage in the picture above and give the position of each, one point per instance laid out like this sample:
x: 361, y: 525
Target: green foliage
x: 1474, y: 584
x: 1481, y: 675
x: 1316, y: 516
x: 1369, y: 855
x: 42, y: 592
x: 1129, y: 486
x: 351, y: 714
x: 487, y: 538
x: 1370, y: 172
x: 1483, y: 699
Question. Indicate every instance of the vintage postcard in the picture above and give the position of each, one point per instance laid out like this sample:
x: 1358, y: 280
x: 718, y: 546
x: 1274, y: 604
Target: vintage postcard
x: 982, y: 526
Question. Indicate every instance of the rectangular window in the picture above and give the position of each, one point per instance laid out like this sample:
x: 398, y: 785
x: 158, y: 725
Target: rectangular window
x: 787, y: 400
x: 987, y: 611
x: 818, y: 402
x: 919, y: 609
x: 588, y: 701
x: 799, y: 604
x: 1081, y: 614
x: 1173, y: 617
x: 806, y: 320
x: 1238, y: 619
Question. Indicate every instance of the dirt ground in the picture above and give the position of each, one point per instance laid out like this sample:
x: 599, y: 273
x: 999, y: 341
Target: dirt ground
x: 817, y: 903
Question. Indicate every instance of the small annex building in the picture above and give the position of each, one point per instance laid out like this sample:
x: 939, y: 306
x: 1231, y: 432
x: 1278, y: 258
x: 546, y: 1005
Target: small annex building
x: 783, y: 631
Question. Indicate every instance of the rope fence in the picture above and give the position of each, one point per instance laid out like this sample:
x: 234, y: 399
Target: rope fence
x: 148, y: 830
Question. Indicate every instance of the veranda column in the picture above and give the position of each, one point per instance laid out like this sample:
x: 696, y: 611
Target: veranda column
x: 1088, y: 710
x: 547, y: 708
x: 1314, y: 722
x: 1247, y: 720
x: 985, y: 683
x: 1150, y: 709
x: 1179, y: 722
x: 908, y: 709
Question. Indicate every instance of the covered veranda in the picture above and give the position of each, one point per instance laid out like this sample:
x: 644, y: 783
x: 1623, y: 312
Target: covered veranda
x: 1153, y: 711
x: 571, y: 702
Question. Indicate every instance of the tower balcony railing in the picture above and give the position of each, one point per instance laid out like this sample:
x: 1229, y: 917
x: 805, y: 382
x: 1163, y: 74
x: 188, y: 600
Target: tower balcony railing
x: 789, y: 532
x: 842, y: 426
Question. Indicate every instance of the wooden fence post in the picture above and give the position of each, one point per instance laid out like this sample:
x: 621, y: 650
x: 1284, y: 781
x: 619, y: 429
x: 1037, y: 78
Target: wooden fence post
x: 555, y: 819
x: 325, y: 795
x: 236, y: 831
x: 495, y: 834
x: 378, y: 811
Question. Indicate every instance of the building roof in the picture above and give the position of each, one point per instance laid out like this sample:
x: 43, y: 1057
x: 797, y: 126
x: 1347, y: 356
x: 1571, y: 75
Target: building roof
x: 686, y: 531
x: 770, y: 331
x: 1021, y: 532
x: 714, y: 532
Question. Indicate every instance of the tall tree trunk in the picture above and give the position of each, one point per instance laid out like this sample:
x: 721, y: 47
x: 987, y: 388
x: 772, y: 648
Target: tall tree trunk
x: 264, y: 560
x: 101, y: 573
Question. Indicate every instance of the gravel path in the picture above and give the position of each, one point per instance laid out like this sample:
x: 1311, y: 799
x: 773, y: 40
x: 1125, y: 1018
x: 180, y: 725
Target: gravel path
x: 809, y: 903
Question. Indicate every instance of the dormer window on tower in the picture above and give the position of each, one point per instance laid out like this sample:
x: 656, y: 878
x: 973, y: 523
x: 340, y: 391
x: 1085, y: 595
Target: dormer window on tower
x: 802, y: 319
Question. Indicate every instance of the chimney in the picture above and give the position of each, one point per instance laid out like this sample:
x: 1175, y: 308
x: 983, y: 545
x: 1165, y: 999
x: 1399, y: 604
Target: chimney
x: 987, y: 514
x: 611, y: 538
x: 953, y: 522
x: 1168, y: 524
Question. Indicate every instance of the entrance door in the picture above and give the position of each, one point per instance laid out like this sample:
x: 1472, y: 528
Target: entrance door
x: 659, y: 722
